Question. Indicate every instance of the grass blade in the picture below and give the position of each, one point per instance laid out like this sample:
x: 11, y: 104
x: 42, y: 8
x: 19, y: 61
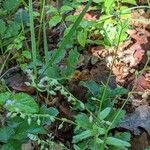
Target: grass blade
x: 45, y: 47
x: 33, y: 43
x: 69, y: 35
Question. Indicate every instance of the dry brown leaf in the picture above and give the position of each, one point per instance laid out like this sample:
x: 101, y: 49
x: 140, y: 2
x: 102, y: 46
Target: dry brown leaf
x: 139, y: 119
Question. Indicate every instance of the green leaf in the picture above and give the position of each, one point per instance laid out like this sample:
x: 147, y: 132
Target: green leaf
x: 27, y: 54
x: 24, y: 129
x: 2, y: 27
x: 133, y: 2
x: 103, y: 114
x: 67, y: 38
x: 126, y: 136
x: 117, y: 142
x: 82, y: 37
x: 21, y: 102
x: 50, y: 111
x: 6, y: 133
x: 59, y: 57
x: 52, y: 10
x: 71, y: 18
x: 55, y: 20
x: 12, y: 30
x: 108, y: 4
x: 71, y: 62
x: 81, y: 1
x: 83, y: 121
x: 22, y: 16
x: 118, y: 118
x: 98, y: 1
x: 121, y: 29
x: 82, y: 136
x: 3, y: 97
x: 76, y: 147
x: 118, y: 91
x: 54, y: 72
x: 92, y: 86
x: 65, y: 9
x: 12, y: 145
x: 10, y: 4
x: 14, y: 122
x: 98, y: 130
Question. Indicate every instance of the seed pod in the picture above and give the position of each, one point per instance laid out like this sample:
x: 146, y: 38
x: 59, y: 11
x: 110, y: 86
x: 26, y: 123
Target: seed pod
x: 9, y: 114
x: 22, y: 115
x: 82, y: 105
x: 29, y: 120
x: 145, y: 95
x: 60, y: 126
x: 91, y: 118
x: 38, y: 121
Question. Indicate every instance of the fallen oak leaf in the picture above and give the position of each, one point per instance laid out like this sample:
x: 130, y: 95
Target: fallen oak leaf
x: 138, y: 53
x: 143, y: 83
x: 139, y: 35
x: 139, y: 119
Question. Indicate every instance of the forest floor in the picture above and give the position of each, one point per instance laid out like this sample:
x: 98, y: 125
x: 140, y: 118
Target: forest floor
x: 130, y: 69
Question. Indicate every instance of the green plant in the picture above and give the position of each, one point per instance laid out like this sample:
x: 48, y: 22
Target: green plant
x: 112, y: 20
x: 94, y: 119
x: 91, y: 129
x: 34, y: 50
x: 57, y: 15
x: 22, y: 106
x: 147, y: 148
x: 12, y: 35
x: 24, y: 117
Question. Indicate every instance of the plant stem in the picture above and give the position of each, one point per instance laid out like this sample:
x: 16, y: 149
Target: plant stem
x: 34, y: 52
x: 110, y: 73
x: 69, y: 35
x: 46, y: 48
x: 42, y: 6
x: 3, y: 65
x: 132, y: 91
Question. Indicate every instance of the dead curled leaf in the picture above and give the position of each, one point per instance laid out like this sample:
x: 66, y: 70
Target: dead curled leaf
x: 143, y: 83
x: 140, y: 142
x: 17, y: 83
x: 139, y: 35
x: 136, y: 120
x: 141, y: 95
x: 129, y: 54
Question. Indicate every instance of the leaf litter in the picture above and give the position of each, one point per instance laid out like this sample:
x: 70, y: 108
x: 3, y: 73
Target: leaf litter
x: 130, y: 55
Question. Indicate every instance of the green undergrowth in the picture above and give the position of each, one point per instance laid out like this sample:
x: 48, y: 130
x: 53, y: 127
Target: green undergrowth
x: 26, y: 117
